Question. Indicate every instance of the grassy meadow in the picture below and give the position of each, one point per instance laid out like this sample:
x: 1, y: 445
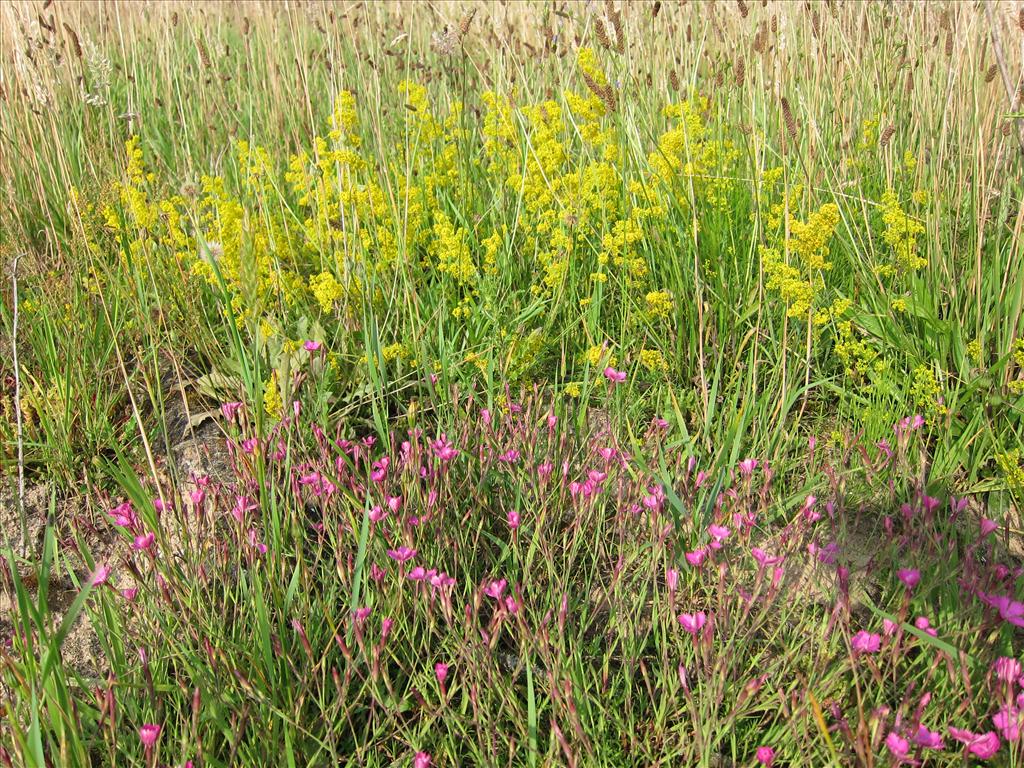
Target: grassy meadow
x: 511, y: 383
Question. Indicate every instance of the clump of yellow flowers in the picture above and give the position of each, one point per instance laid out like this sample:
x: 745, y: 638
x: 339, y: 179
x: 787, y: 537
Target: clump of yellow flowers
x: 799, y: 279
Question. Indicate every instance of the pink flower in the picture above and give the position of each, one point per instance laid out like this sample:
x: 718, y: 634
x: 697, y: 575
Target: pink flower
x: 513, y: 519
x: 377, y: 513
x: 765, y: 756
x: 696, y: 557
x: 928, y: 739
x: 361, y: 614
x: 909, y: 576
x: 144, y: 541
x: 866, y: 642
x: 311, y: 346
x: 763, y: 558
x: 897, y: 745
x: 230, y: 410
x: 613, y: 376
x: 1012, y: 611
x: 421, y: 760
x: 419, y: 573
x: 987, y: 526
x: 718, y: 532
x: 148, y: 734
x: 672, y: 579
x: 889, y: 627
x: 441, y: 672
x: 1008, y: 722
x: 496, y: 588
x: 747, y: 467
x: 380, y: 469
x: 243, y: 505
x: 402, y: 554
x: 981, y: 745
x: 693, y: 622
x: 922, y: 623
x: 129, y: 593
x: 510, y: 456
x: 443, y: 449
x: 100, y: 575
x: 1007, y: 669
x: 124, y: 516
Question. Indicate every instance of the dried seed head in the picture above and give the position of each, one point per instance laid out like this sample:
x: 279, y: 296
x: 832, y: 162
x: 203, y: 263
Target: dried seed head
x: 743, y: 8
x: 75, y: 45
x: 787, y: 117
x: 739, y: 71
x: 883, y: 140
x: 673, y: 80
x: 949, y: 43
x: 775, y: 25
x: 601, y: 30
x: 465, y: 22
x: 991, y: 74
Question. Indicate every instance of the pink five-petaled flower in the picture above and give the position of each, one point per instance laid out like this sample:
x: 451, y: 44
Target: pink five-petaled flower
x: 747, y: 467
x: 361, y: 614
x: 693, y: 622
x: 496, y: 588
x: 124, y: 516
x: 100, y: 575
x: 148, y: 734
x: 928, y: 739
x: 443, y: 449
x: 144, y: 541
x: 718, y: 532
x: 1007, y: 669
x: 896, y: 744
x: 421, y: 760
x: 513, y: 519
x: 311, y: 346
x: 981, y: 745
x: 987, y: 526
x: 402, y: 554
x: 909, y: 576
x: 613, y: 376
x: 441, y: 672
x: 866, y: 642
x: 765, y: 756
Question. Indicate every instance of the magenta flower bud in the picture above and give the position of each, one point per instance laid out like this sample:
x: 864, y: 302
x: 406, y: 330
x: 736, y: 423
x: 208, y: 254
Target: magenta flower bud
x: 513, y: 519
x: 441, y: 673
x: 988, y: 526
x: 311, y: 346
x: 672, y: 579
x: 765, y: 756
x: 909, y: 576
x: 421, y: 760
x: 1007, y: 669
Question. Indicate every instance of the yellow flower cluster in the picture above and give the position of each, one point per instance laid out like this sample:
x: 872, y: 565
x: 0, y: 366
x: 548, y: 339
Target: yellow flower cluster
x: 808, y: 241
x: 901, y: 233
